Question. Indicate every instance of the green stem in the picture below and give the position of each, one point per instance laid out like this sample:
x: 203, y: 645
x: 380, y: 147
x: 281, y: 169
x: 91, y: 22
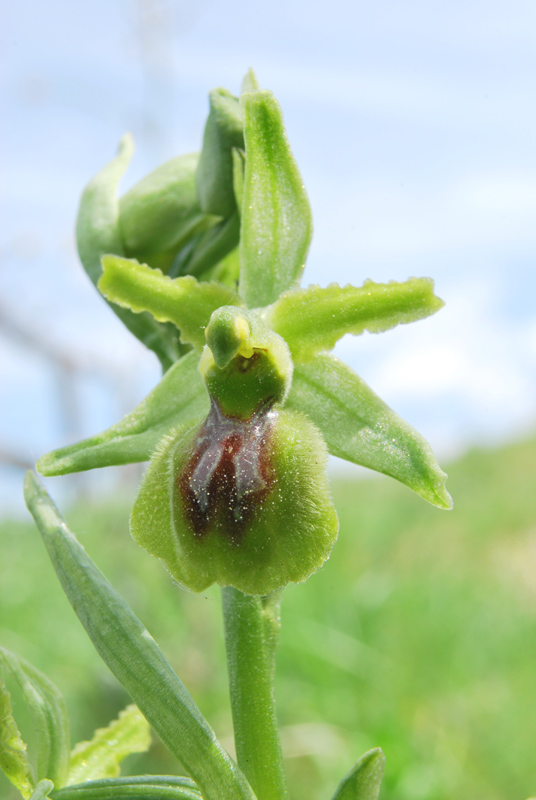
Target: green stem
x: 251, y: 630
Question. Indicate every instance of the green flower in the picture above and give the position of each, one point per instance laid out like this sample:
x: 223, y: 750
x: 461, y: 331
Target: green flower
x: 251, y: 401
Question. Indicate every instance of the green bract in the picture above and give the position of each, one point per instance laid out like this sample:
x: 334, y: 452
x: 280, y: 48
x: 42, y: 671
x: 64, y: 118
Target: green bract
x: 202, y: 260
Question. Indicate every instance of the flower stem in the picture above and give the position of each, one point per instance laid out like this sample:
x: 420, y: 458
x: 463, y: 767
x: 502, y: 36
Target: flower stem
x: 251, y: 631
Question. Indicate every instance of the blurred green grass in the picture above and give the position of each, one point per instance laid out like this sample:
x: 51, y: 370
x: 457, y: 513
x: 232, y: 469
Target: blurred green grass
x: 418, y: 635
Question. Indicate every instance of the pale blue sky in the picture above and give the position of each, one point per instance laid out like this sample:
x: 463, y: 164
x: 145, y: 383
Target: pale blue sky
x: 414, y: 125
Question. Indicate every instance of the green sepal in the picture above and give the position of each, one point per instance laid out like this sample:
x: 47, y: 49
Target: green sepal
x: 184, y: 301
x: 276, y: 216
x: 161, y: 213
x: 140, y: 787
x: 361, y: 428
x: 364, y: 780
x: 97, y: 233
x: 42, y: 790
x: 314, y: 319
x: 101, y: 757
x: 49, y: 715
x: 179, y: 397
x: 208, y: 249
x: 249, y: 82
x: 223, y: 131
x: 133, y: 656
x: 287, y: 536
x: 13, y: 751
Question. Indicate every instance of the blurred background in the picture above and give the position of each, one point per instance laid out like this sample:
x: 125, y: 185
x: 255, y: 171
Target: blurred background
x: 413, y: 124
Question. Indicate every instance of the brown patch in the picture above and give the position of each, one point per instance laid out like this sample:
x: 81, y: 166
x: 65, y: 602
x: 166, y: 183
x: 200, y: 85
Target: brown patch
x: 229, y: 472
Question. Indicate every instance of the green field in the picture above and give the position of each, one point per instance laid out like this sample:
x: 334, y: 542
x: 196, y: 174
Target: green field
x: 419, y: 636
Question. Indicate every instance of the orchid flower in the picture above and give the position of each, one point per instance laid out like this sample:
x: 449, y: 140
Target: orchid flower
x: 203, y: 261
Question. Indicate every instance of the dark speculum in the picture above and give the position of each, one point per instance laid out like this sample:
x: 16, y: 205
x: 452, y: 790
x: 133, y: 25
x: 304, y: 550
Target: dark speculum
x: 229, y: 472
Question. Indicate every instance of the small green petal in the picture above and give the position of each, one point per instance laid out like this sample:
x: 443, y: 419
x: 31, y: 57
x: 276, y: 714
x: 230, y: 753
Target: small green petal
x: 161, y: 212
x: 364, y: 780
x: 361, y: 428
x: 179, y: 397
x: 184, y: 301
x: 276, y: 216
x: 223, y: 131
x: 314, y: 319
x: 282, y: 530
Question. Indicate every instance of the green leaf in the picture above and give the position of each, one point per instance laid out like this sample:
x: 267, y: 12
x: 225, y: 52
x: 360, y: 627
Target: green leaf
x: 49, y: 716
x: 276, y: 217
x: 179, y: 397
x: 161, y: 212
x: 42, y: 790
x: 134, y: 657
x: 361, y: 428
x: 209, y: 248
x: 184, y: 301
x: 13, y: 757
x: 97, y: 233
x: 142, y: 787
x: 364, y: 779
x: 314, y: 319
x: 101, y: 757
x: 223, y: 131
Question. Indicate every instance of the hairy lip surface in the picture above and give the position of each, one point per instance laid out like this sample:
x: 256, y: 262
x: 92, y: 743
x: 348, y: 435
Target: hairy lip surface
x: 229, y: 472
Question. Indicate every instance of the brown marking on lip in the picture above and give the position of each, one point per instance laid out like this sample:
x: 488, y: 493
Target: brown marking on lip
x: 229, y: 472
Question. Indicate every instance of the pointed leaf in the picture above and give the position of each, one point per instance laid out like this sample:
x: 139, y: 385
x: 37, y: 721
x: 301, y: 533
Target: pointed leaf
x: 141, y: 787
x: 364, y: 779
x: 97, y: 233
x: 184, y: 301
x: 361, y: 428
x: 314, y: 319
x: 13, y: 756
x: 42, y: 790
x: 101, y: 757
x: 162, y: 212
x: 49, y: 716
x: 223, y: 131
x: 276, y: 217
x: 180, y: 396
x: 134, y: 657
